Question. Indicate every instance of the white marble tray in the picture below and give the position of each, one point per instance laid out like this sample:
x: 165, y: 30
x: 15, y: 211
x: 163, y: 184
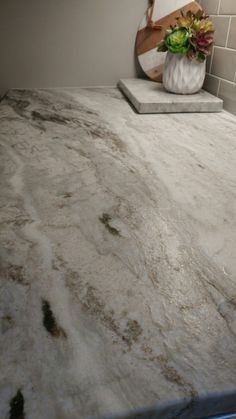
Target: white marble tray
x: 151, y: 97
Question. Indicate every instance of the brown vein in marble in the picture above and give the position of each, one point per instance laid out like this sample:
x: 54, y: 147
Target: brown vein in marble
x: 17, y: 407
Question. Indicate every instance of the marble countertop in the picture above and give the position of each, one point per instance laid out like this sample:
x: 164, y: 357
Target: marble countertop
x: 118, y: 256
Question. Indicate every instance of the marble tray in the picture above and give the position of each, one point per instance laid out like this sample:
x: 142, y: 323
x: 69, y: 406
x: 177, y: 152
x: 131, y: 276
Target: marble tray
x: 151, y: 97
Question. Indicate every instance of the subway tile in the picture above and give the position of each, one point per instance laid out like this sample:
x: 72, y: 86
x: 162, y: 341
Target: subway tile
x: 222, y: 25
x: 232, y: 34
x: 210, y: 6
x: 208, y: 63
x: 228, y: 94
x: 224, y: 63
x: 228, y: 7
x: 211, y: 84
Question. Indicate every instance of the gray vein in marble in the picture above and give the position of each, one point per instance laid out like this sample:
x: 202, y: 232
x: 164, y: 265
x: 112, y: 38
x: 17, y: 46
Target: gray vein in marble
x: 117, y: 254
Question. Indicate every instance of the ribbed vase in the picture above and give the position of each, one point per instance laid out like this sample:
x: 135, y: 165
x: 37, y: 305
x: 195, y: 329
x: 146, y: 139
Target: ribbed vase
x: 183, y: 76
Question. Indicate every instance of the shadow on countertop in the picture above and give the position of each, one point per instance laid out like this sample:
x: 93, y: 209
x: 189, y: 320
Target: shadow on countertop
x: 213, y: 406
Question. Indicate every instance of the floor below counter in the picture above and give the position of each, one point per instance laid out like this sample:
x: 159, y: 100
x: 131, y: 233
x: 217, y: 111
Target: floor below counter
x: 118, y: 259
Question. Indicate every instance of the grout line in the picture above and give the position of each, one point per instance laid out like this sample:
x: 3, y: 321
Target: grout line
x: 218, y: 11
x: 227, y: 38
x: 221, y: 78
x: 225, y: 48
x: 212, y: 55
x: 218, y: 90
x: 216, y: 15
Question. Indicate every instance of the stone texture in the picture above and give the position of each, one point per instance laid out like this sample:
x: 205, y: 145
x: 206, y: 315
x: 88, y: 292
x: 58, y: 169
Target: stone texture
x: 151, y: 97
x: 118, y: 261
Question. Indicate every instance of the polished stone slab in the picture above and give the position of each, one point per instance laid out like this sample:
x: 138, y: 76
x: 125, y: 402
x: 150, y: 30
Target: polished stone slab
x: 150, y: 97
x: 117, y: 257
x: 216, y: 406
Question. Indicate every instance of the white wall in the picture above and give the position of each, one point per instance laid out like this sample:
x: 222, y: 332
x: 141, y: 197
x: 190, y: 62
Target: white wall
x: 49, y: 43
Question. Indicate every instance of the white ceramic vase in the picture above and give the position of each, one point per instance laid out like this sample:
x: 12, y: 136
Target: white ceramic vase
x: 183, y: 76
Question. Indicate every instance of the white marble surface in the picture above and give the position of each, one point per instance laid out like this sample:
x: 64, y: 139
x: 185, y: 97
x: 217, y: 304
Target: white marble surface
x: 151, y: 97
x: 118, y: 260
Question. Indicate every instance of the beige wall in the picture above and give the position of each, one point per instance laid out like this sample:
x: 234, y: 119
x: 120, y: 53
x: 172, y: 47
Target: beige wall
x: 221, y: 68
x: 49, y: 43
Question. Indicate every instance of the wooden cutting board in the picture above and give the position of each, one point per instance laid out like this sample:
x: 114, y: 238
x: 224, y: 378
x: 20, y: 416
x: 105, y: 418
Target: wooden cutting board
x: 156, y: 21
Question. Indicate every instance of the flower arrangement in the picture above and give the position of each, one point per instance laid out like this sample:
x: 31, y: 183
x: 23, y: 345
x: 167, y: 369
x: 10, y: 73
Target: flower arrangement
x: 192, y: 36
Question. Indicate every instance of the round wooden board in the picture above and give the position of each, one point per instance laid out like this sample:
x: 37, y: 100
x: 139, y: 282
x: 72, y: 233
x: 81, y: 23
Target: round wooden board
x: 164, y: 14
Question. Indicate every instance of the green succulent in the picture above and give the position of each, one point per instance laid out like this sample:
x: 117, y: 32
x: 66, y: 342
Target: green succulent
x: 191, y: 36
x: 177, y: 40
